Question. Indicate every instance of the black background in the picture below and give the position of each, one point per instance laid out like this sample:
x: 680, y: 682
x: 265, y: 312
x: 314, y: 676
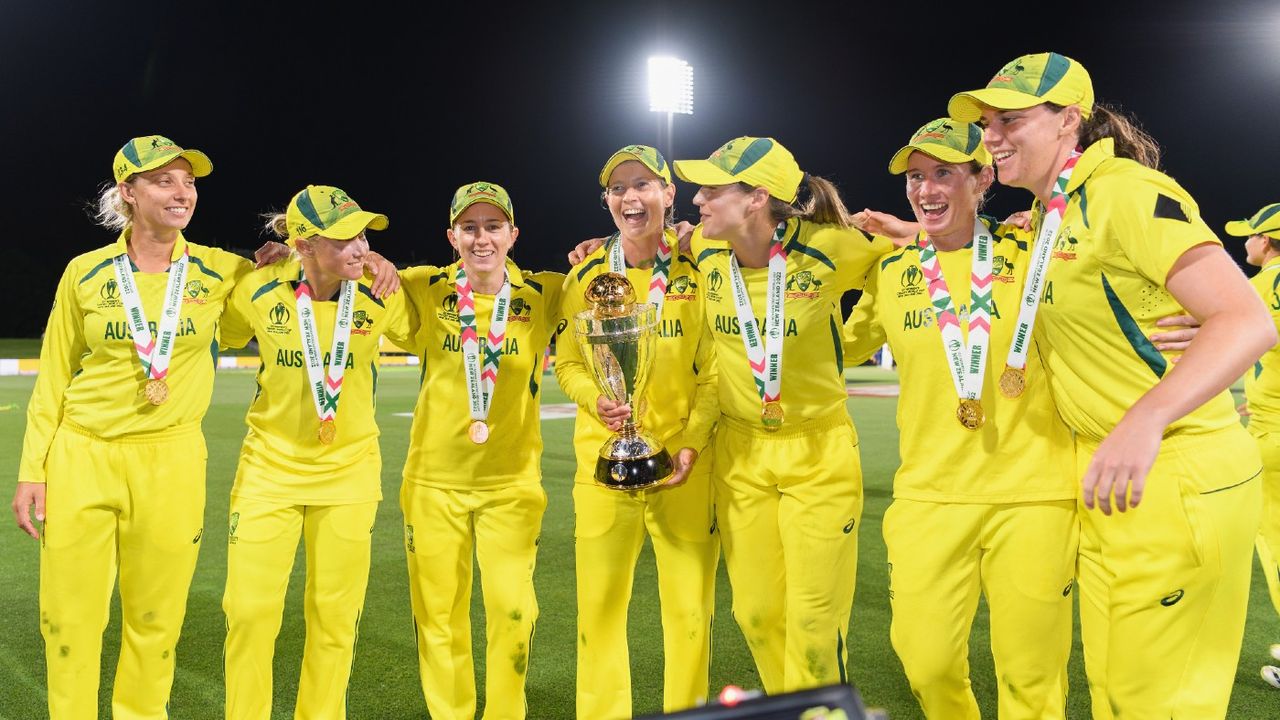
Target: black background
x: 400, y: 105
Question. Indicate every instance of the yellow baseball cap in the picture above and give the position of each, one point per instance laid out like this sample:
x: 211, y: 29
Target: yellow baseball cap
x: 152, y: 151
x: 945, y: 140
x: 330, y: 212
x: 1264, y: 222
x: 760, y: 162
x: 485, y: 192
x: 1026, y: 82
x: 645, y: 155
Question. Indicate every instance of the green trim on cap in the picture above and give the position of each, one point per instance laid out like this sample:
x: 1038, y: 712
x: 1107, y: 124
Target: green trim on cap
x: 753, y: 154
x: 308, y: 209
x: 1055, y: 68
x: 130, y: 152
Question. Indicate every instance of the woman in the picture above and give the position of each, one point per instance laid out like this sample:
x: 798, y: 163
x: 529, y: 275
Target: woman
x: 112, y: 434
x: 310, y: 466
x: 969, y: 516
x: 610, y: 526
x: 472, y: 480
x: 1262, y: 394
x: 788, y: 483
x: 1164, y: 582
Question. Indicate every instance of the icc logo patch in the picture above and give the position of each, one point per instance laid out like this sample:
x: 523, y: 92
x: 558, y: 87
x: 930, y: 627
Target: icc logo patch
x: 279, y: 317
x: 715, y: 280
x: 449, y: 311
x: 911, y: 282
x: 109, y: 295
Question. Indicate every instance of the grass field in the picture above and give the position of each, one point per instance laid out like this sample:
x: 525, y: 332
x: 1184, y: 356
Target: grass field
x: 384, y: 682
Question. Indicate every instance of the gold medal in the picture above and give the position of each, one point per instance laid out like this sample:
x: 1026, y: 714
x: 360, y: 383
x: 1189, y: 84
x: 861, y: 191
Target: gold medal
x: 157, y: 391
x: 327, y: 432
x: 771, y: 415
x: 1013, y: 381
x: 970, y: 414
x: 478, y: 432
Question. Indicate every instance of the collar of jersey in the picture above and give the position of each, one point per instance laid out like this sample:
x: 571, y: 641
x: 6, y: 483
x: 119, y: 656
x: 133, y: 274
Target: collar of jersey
x: 1093, y: 156
x: 122, y: 244
x: 514, y: 274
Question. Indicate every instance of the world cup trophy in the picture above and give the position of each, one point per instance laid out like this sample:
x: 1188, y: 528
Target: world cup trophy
x: 618, y: 339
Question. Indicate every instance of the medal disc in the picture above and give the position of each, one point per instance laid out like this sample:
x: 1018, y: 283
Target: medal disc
x: 970, y: 414
x: 771, y: 415
x: 478, y: 432
x: 1013, y: 381
x: 327, y: 432
x: 157, y: 391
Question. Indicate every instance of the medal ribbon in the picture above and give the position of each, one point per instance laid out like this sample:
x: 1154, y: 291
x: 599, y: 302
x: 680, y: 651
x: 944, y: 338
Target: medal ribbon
x: 481, y: 381
x: 764, y: 354
x: 153, y: 352
x: 657, y: 279
x: 1040, y: 264
x: 967, y: 362
x: 326, y: 385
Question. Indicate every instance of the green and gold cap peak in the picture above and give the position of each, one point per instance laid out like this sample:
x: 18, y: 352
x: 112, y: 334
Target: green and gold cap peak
x: 152, y: 151
x: 945, y: 140
x: 1026, y: 82
x: 645, y: 155
x: 1264, y: 222
x: 329, y: 212
x: 757, y: 161
x: 485, y: 192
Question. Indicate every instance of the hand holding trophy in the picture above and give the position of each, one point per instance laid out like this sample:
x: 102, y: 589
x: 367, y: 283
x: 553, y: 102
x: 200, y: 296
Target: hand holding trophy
x: 618, y: 338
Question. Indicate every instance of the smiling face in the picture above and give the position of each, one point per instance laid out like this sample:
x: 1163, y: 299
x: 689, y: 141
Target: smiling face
x: 1028, y: 145
x: 638, y: 200
x: 483, y: 236
x: 944, y: 196
x: 162, y: 200
x: 725, y: 209
x: 335, y: 259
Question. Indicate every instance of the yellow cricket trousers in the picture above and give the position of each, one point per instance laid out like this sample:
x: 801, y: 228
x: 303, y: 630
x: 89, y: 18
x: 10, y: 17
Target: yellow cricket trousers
x: 135, y: 506
x: 1268, y: 542
x: 263, y: 541
x: 609, y: 532
x: 788, y: 505
x: 1164, y: 587
x: 442, y: 530
x: 1022, y: 556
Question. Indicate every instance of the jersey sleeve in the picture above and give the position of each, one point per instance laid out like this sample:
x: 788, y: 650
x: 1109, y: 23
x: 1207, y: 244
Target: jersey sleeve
x: 863, y: 333
x: 1151, y: 220
x: 60, y: 354
x: 855, y: 254
x: 705, y: 408
x: 235, y: 329
x: 401, y: 324
x: 571, y: 372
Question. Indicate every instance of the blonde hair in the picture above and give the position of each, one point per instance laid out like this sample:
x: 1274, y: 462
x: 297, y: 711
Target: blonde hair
x: 110, y: 210
x: 824, y: 204
x: 276, y: 224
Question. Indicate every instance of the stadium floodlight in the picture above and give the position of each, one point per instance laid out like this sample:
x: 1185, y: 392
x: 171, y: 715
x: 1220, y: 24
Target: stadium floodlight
x: 670, y: 93
x: 670, y: 86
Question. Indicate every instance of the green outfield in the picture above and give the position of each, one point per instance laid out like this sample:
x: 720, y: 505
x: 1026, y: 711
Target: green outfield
x: 384, y: 682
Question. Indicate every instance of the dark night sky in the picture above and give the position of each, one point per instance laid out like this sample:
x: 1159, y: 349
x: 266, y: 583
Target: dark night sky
x: 401, y: 106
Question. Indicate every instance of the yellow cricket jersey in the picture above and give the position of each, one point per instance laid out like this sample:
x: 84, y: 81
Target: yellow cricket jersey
x: 440, y: 453
x: 1262, y: 384
x: 1124, y: 228
x: 283, y: 459
x: 680, y: 404
x: 823, y: 262
x: 1023, y: 453
x: 90, y: 373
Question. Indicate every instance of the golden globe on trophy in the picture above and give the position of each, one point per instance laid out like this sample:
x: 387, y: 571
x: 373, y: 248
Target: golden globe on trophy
x: 618, y: 338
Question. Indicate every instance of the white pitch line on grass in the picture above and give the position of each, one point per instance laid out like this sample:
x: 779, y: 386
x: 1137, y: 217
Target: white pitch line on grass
x: 872, y: 390
x: 553, y: 411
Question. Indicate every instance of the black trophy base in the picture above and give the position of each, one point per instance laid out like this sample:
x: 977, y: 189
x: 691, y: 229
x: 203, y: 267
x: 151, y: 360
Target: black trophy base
x: 634, y: 473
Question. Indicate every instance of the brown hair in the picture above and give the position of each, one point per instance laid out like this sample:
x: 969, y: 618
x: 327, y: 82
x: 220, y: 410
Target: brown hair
x: 1131, y: 141
x: 823, y: 205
